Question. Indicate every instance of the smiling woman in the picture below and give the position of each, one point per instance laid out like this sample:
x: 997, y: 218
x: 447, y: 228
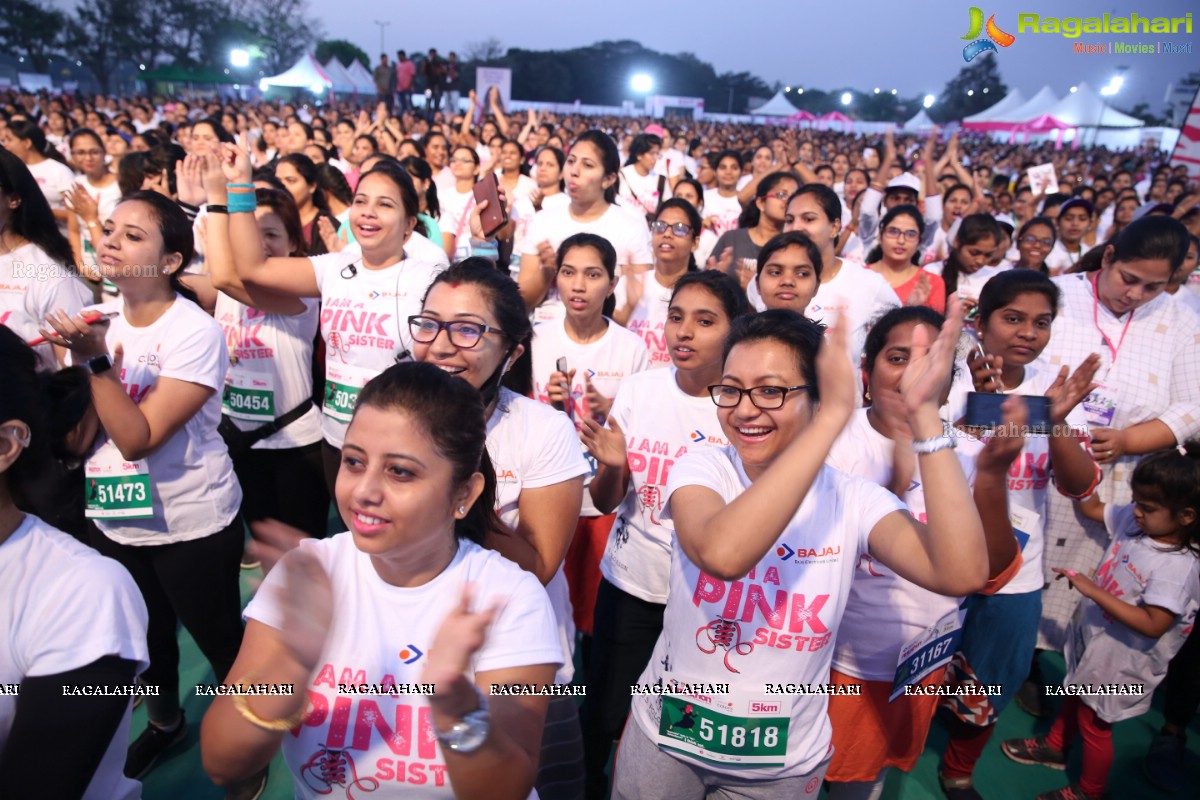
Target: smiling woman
x: 415, y: 489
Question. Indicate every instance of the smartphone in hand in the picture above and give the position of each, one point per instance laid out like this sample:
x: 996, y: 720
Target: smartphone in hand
x: 495, y: 216
x: 568, y: 404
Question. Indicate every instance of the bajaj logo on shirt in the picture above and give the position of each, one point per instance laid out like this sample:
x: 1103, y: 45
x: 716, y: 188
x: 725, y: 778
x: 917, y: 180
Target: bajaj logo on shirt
x: 410, y: 654
x: 698, y: 436
x: 983, y: 45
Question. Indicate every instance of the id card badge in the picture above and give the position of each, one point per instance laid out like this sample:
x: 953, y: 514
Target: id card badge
x: 249, y: 396
x: 343, y: 384
x: 740, y: 729
x: 116, y: 489
x: 1099, y: 407
x: 929, y: 650
x: 1024, y: 523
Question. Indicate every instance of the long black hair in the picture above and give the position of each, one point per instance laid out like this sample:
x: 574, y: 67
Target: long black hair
x: 176, y: 230
x: 32, y: 219
x: 694, y: 222
x: 24, y: 129
x: 610, y: 158
x: 973, y: 228
x: 751, y: 214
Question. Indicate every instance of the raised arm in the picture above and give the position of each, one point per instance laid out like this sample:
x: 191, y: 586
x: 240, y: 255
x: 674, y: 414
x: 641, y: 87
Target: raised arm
x: 287, y: 276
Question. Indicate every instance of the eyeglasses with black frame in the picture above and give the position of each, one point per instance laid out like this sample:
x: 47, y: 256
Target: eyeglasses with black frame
x: 677, y: 228
x: 463, y: 335
x: 765, y: 397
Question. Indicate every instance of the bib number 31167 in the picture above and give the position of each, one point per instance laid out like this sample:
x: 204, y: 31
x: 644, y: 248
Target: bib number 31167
x: 693, y: 726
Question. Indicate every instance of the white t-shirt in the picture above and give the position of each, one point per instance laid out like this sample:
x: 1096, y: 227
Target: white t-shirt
x: 63, y: 606
x: 1100, y: 649
x: 725, y: 210
x: 107, y: 198
x: 364, y: 322
x: 53, y: 178
x: 885, y: 611
x: 856, y: 296
x: 456, y: 211
x: 32, y: 286
x: 649, y: 317
x: 969, y: 285
x: 419, y: 247
x: 445, y: 182
x: 387, y: 741
x: 525, y: 189
x: 270, y: 358
x: 661, y: 424
x: 1060, y: 259
x: 777, y: 623
x: 606, y: 362
x: 192, y: 485
x: 671, y: 162
x: 639, y: 193
x: 625, y: 230
x: 531, y: 445
x: 1028, y: 476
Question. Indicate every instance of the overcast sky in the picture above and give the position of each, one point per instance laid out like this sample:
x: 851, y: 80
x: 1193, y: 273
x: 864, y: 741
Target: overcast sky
x: 910, y: 45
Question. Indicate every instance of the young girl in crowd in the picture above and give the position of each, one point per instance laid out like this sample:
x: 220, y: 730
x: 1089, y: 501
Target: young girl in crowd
x: 766, y: 543
x: 269, y: 420
x: 25, y: 140
x: 667, y: 413
x: 721, y: 202
x: 642, y: 189
x: 299, y: 176
x: 789, y: 272
x: 895, y: 258
x: 1136, y: 611
x: 92, y: 199
x: 762, y: 219
x: 642, y: 297
x: 1034, y: 241
x: 71, y: 617
x: 965, y: 269
x: 1016, y: 311
x: 885, y: 612
x: 457, y: 202
x: 160, y: 491
x: 415, y: 489
x: 473, y: 324
x: 1147, y: 396
x: 592, y: 168
x: 37, y: 274
x: 689, y: 189
x: 848, y: 295
x: 367, y: 293
x: 517, y: 185
x: 599, y: 356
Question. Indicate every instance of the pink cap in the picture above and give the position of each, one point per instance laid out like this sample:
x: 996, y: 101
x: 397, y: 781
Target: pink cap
x: 657, y: 130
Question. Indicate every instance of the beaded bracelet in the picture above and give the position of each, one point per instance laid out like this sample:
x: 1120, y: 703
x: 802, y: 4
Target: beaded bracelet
x: 242, y: 202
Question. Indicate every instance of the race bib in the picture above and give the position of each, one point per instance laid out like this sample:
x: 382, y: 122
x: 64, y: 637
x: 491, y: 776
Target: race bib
x: 249, y: 396
x: 1024, y: 523
x: 343, y: 383
x: 744, y: 731
x: 115, y: 488
x: 1099, y: 408
x: 931, y: 649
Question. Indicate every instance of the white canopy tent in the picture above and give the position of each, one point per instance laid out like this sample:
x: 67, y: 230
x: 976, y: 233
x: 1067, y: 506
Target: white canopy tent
x: 1039, y: 104
x: 1010, y: 102
x: 1085, y: 108
x: 307, y: 73
x: 361, y: 77
x: 342, y: 82
x: 919, y: 123
x: 777, y: 106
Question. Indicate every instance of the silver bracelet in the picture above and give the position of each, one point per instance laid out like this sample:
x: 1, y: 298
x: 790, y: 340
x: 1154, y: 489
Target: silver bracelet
x: 926, y: 446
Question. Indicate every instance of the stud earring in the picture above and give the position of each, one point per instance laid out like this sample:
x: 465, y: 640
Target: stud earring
x: 462, y: 511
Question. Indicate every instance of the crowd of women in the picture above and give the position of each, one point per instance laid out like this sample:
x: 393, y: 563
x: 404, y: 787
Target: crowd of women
x: 778, y: 443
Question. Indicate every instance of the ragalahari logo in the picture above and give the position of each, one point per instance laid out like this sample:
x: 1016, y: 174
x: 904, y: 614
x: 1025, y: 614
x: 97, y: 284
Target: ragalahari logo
x: 983, y: 45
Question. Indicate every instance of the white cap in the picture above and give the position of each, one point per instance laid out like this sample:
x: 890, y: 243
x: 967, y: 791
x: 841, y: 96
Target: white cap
x: 906, y: 180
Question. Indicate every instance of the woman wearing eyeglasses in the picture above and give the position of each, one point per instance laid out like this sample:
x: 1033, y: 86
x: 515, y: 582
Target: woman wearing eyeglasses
x: 642, y: 296
x: 766, y: 543
x: 656, y: 417
x: 1035, y: 239
x: 473, y: 324
x: 93, y: 198
x: 366, y: 295
x: 896, y: 258
x: 761, y: 220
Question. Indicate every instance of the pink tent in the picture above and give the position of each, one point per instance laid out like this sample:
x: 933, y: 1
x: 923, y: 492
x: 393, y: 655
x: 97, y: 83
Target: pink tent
x: 1043, y: 123
x: 802, y: 116
x: 825, y: 121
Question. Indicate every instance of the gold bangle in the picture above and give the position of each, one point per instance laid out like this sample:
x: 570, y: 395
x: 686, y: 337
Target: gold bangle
x: 285, y: 724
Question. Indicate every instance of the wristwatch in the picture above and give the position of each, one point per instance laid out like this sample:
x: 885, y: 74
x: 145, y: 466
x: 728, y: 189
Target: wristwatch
x: 98, y: 364
x: 469, y: 733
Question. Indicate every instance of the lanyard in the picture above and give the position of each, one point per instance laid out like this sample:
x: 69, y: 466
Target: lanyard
x: 1104, y: 336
